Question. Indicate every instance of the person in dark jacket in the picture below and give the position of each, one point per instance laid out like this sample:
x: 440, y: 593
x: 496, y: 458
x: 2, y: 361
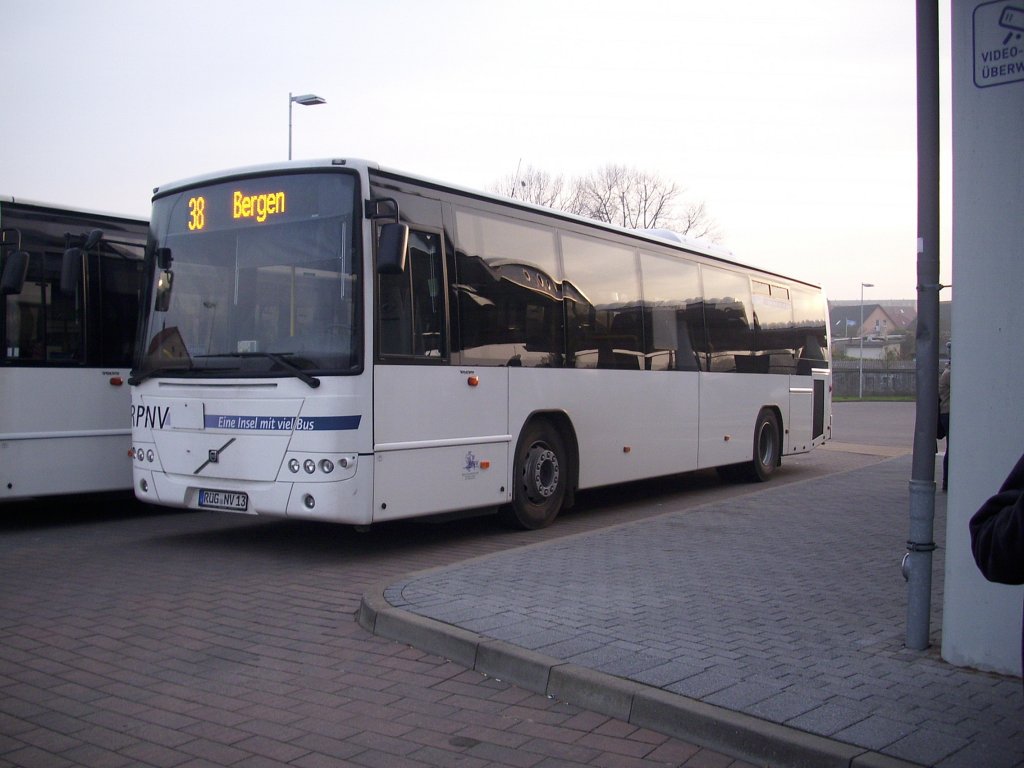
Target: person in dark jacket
x: 944, y: 402
x: 997, y: 534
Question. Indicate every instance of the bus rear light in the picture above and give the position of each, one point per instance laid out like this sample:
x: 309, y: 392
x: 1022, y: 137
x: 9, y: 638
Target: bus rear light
x: 144, y: 485
x: 150, y: 456
x: 310, y: 466
x: 326, y: 466
x: 293, y: 465
x: 308, y: 501
x: 485, y: 464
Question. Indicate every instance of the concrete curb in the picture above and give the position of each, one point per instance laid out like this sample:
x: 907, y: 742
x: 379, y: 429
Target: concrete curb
x: 734, y: 733
x: 888, y: 452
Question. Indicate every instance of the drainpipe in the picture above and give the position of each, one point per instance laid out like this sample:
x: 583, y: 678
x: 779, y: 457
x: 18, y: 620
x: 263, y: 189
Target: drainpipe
x: 917, y: 563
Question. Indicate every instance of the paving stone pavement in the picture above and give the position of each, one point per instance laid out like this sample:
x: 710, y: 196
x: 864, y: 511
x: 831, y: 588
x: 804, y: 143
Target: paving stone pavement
x: 137, y: 637
x: 783, y: 608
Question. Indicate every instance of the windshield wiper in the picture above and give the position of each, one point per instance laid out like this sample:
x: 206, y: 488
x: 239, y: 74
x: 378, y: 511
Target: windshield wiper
x: 135, y: 379
x: 280, y: 360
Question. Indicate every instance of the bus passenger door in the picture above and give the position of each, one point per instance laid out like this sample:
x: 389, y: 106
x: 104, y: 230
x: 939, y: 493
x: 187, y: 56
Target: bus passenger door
x: 440, y: 431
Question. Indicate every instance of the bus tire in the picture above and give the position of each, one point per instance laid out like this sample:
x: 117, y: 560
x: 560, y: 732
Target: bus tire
x: 540, y: 478
x: 767, y: 447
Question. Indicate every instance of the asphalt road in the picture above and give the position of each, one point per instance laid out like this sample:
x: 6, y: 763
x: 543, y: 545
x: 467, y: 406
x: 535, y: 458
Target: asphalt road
x: 874, y: 423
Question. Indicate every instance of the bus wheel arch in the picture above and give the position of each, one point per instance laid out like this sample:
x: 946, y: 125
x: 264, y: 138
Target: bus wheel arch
x: 544, y: 472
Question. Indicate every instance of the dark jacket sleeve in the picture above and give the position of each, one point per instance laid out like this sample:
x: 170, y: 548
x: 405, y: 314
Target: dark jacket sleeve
x: 997, y: 531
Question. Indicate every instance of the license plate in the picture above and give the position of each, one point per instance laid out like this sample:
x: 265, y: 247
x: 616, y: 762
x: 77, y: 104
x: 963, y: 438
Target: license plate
x: 235, y: 501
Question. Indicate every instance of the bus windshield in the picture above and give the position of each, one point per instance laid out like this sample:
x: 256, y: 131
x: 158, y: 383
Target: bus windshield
x: 262, y: 276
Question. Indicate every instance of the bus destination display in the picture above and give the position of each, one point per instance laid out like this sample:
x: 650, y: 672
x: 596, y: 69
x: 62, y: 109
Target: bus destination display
x: 243, y: 207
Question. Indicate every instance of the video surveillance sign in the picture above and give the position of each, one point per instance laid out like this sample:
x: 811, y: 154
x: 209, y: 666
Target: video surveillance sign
x: 999, y: 43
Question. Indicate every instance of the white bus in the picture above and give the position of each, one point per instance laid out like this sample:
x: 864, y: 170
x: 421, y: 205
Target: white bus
x: 71, y: 283
x: 338, y: 341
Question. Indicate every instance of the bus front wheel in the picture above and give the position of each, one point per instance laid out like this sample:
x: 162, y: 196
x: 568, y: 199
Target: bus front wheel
x: 540, y: 476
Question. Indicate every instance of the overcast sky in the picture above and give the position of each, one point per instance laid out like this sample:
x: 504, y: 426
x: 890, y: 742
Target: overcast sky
x: 794, y: 122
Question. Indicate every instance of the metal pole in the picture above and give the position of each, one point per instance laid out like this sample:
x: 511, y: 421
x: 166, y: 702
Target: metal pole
x: 860, y: 375
x: 917, y: 563
x: 306, y: 100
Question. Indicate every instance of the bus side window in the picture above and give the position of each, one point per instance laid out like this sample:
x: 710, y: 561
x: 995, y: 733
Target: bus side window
x: 673, y: 316
x: 810, y: 320
x: 120, y: 286
x: 43, y: 324
x: 509, y: 298
x: 411, y: 305
x: 727, y: 313
x: 604, y: 324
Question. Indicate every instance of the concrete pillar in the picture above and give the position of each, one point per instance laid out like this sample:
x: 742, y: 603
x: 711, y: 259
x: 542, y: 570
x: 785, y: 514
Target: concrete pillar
x: 982, y: 621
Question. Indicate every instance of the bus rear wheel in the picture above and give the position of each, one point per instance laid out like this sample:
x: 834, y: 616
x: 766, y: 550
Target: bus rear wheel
x: 767, y: 451
x: 540, y: 476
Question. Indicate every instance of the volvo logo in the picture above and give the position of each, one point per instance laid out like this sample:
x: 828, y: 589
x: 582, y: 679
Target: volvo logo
x: 213, y: 456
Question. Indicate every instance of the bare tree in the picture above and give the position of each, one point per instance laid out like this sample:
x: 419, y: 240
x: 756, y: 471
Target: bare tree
x: 533, y: 185
x: 627, y: 197
x: 694, y: 221
x: 615, y: 194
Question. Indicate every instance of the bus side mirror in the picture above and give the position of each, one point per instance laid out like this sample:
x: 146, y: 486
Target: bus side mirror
x: 70, y: 270
x: 392, y: 245
x: 15, y: 272
x: 71, y: 264
x: 91, y: 240
x: 164, y: 283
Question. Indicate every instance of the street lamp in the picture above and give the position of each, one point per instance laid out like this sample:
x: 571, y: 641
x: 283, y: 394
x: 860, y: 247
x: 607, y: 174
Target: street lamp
x: 306, y: 100
x: 860, y: 377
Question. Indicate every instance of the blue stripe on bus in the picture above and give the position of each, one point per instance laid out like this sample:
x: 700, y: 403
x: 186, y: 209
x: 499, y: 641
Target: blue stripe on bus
x: 281, y: 423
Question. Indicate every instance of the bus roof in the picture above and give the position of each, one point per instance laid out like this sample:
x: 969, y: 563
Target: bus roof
x: 662, y: 236
x: 6, y: 200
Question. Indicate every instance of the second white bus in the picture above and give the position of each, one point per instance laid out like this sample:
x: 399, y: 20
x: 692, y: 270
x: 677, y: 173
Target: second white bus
x: 71, y: 283
x: 337, y: 341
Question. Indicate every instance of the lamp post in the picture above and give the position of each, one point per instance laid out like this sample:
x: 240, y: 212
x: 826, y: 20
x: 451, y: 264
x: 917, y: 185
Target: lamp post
x: 306, y: 100
x: 860, y: 377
